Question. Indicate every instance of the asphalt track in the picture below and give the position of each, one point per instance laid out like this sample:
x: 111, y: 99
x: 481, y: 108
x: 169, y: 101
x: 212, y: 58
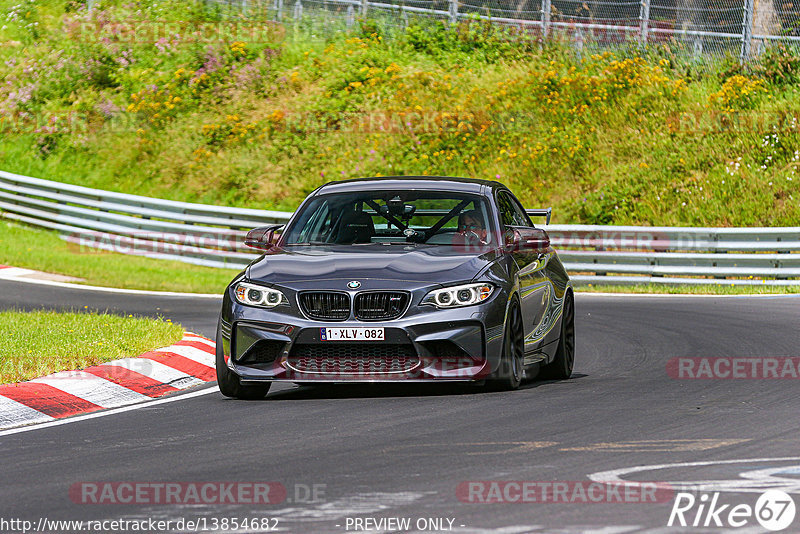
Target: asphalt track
x: 401, y: 452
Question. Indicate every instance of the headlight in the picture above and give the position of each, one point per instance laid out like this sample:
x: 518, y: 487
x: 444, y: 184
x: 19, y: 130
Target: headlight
x: 253, y: 295
x: 454, y: 297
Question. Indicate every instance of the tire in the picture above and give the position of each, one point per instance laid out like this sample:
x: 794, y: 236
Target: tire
x: 509, y: 375
x: 561, y: 366
x: 229, y: 383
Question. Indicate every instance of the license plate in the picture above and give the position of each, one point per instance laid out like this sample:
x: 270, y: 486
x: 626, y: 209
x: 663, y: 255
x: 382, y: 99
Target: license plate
x: 351, y: 334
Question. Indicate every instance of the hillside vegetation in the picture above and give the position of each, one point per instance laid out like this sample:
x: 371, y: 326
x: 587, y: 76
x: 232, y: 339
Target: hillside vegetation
x: 620, y: 136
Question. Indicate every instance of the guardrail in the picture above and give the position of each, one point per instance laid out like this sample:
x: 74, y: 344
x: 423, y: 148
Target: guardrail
x: 213, y: 236
x: 193, y: 233
x: 678, y: 255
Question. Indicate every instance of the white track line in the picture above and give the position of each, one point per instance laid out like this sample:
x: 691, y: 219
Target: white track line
x: 112, y: 289
x: 157, y: 371
x: 92, y: 388
x: 13, y: 413
x: 94, y: 415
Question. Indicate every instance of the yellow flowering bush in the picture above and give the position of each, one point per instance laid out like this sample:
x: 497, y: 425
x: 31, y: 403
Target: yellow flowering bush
x: 738, y: 93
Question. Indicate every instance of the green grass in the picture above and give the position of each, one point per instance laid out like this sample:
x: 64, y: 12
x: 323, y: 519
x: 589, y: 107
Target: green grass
x: 623, y: 137
x: 694, y: 289
x: 43, y: 342
x: 45, y: 251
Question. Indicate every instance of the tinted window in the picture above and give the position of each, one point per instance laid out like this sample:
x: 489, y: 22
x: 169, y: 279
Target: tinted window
x: 511, y: 211
x: 430, y: 217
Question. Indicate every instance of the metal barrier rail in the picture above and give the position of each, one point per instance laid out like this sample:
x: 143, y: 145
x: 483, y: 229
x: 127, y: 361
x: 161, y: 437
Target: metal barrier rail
x: 213, y: 236
x: 678, y: 255
x: 193, y: 233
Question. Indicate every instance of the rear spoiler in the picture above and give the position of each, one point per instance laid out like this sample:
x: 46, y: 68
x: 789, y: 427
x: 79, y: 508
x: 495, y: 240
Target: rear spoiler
x: 541, y: 212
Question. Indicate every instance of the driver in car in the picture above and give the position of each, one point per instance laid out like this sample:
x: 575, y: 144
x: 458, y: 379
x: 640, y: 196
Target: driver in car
x: 471, y: 230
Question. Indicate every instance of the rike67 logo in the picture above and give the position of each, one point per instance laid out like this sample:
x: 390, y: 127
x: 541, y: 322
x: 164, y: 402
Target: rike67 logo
x: 774, y: 510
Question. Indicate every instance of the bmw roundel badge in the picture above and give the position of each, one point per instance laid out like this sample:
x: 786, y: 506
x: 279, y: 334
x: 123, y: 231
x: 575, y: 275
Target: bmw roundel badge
x: 353, y: 284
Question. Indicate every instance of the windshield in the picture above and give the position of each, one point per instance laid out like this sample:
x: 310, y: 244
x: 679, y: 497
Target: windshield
x: 430, y: 217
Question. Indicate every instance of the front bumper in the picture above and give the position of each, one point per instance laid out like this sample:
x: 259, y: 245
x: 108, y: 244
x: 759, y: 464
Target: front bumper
x: 460, y: 344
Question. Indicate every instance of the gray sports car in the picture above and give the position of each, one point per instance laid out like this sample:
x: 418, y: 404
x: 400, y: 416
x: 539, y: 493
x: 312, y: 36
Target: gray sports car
x: 399, y: 279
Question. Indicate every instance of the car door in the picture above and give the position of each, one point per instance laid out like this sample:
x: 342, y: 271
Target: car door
x: 536, y: 296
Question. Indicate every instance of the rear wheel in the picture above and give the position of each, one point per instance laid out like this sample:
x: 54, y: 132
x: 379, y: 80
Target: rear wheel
x: 509, y: 375
x: 229, y: 383
x: 561, y: 366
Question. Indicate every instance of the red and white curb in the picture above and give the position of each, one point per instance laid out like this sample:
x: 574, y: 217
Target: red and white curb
x: 187, y: 363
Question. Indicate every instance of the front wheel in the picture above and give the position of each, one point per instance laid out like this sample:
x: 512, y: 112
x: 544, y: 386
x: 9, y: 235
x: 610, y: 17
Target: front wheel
x: 509, y: 375
x: 229, y: 383
x: 561, y: 366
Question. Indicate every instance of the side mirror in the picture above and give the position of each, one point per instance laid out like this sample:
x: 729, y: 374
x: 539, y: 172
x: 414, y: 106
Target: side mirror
x: 523, y: 239
x: 262, y: 238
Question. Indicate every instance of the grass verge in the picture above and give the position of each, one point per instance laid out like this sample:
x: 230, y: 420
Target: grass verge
x: 43, y: 342
x: 693, y: 289
x: 44, y: 251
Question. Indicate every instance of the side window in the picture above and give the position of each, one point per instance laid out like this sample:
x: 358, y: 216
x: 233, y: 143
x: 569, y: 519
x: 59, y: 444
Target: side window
x: 317, y: 225
x: 521, y: 216
x: 511, y: 213
x: 506, y: 210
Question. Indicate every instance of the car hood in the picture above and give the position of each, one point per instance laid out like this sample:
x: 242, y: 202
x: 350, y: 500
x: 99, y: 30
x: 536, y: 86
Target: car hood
x: 304, y: 266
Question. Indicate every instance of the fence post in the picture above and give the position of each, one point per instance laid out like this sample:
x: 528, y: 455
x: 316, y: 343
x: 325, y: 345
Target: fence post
x: 279, y: 8
x: 644, y: 22
x: 364, y: 7
x: 747, y: 30
x: 453, y: 11
x: 350, y: 16
x: 298, y: 11
x: 546, y: 6
x: 578, y: 39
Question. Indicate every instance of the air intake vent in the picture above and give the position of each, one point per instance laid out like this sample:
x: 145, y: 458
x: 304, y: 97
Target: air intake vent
x: 264, y: 351
x: 355, y: 360
x: 326, y: 306
x: 380, y: 305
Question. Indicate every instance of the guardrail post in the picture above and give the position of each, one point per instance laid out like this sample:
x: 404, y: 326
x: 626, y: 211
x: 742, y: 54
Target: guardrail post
x: 546, y: 7
x: 644, y: 22
x: 747, y: 30
x: 453, y: 11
